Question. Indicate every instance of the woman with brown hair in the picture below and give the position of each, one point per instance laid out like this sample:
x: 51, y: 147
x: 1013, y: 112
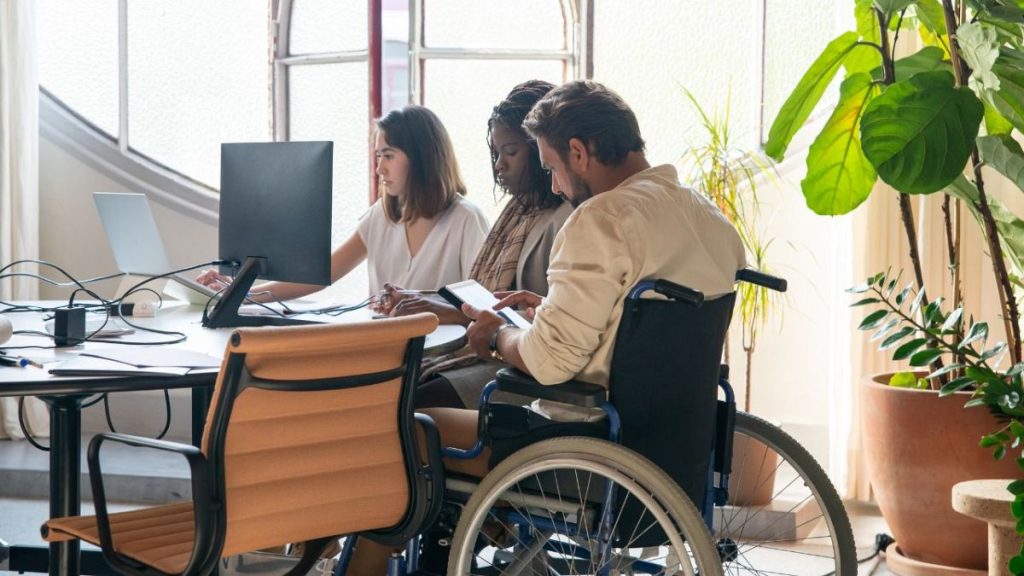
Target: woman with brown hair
x: 515, y: 255
x: 421, y: 233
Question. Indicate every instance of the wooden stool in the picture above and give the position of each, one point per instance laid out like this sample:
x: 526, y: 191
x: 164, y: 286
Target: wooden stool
x: 989, y: 501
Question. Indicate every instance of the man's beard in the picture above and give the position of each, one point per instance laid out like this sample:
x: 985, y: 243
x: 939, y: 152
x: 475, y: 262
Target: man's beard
x: 581, y: 191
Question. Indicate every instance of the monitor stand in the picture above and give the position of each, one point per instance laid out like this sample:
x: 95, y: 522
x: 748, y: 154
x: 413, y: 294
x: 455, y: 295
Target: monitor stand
x: 225, y: 311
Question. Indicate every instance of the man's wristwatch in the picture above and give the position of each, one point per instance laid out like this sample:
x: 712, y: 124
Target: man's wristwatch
x: 493, y: 346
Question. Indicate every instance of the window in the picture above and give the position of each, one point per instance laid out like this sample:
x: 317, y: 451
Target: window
x: 165, y: 83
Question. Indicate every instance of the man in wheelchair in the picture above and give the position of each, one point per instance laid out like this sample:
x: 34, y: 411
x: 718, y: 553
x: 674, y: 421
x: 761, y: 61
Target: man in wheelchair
x: 632, y: 222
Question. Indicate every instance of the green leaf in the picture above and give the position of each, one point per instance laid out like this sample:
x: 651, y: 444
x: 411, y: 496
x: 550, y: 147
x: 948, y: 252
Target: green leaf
x: 1015, y: 370
x: 978, y: 331
x: 975, y: 402
x: 994, y: 121
x: 944, y: 370
x: 881, y: 332
x: 928, y: 59
x: 930, y: 15
x: 868, y: 30
x: 865, y: 301
x: 1016, y: 565
x: 917, y: 302
x: 896, y: 337
x: 903, y: 380
x: 952, y: 319
x: 925, y: 357
x: 989, y: 440
x: 999, y: 452
x: 909, y: 348
x: 919, y: 133
x: 872, y: 320
x: 1016, y: 487
x: 955, y: 386
x: 903, y: 295
x: 892, y: 7
x: 839, y: 176
x: 993, y: 351
x: 1017, y: 429
x: 1009, y: 99
x: 1005, y: 155
x: 808, y: 91
x: 979, y: 46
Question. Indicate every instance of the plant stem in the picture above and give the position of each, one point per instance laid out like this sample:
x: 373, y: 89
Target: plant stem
x: 953, y: 249
x: 1011, y: 319
x: 906, y: 213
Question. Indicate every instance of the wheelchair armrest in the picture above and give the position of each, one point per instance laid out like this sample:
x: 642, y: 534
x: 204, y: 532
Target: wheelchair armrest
x: 582, y: 394
x: 202, y: 488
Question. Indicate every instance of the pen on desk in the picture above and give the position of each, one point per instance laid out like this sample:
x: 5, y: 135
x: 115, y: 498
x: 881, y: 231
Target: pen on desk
x: 23, y: 362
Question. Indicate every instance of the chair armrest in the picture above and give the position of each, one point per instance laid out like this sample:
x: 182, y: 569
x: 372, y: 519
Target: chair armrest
x: 582, y: 394
x: 202, y: 504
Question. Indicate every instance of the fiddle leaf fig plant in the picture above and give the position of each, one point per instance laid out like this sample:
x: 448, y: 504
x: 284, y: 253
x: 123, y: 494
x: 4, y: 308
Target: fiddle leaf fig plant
x: 927, y: 123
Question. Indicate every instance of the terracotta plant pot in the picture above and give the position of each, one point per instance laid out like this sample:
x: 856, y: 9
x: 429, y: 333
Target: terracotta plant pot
x: 752, y: 482
x: 917, y: 447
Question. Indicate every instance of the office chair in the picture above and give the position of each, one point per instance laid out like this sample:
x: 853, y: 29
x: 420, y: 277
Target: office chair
x: 310, y: 435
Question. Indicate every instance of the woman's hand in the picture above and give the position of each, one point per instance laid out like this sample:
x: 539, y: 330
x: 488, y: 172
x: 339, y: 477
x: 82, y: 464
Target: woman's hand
x: 520, y: 300
x: 414, y: 303
x: 213, y: 280
x: 388, y: 298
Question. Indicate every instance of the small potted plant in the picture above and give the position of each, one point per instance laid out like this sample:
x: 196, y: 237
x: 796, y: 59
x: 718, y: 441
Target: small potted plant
x: 729, y: 176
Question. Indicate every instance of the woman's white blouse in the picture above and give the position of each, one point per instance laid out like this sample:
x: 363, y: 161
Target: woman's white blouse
x: 446, y: 256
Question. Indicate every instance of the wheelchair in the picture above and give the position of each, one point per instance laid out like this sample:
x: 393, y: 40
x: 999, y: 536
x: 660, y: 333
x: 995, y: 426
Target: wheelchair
x: 673, y: 480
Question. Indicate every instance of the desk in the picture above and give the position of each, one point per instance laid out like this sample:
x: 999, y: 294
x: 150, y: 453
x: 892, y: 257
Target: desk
x: 64, y: 394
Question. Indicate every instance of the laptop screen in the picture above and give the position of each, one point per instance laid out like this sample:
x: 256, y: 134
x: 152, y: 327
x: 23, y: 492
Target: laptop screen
x: 132, y: 233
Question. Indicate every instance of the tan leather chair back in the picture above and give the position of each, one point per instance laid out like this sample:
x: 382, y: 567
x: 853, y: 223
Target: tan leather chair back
x: 309, y: 448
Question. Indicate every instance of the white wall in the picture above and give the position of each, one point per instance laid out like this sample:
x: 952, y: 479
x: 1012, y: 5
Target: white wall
x: 70, y: 233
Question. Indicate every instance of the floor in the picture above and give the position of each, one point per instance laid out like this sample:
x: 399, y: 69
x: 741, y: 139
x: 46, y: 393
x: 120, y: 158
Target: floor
x: 23, y: 485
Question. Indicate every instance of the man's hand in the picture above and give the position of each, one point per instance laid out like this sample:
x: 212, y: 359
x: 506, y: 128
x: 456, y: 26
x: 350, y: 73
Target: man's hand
x: 520, y: 299
x: 481, y: 330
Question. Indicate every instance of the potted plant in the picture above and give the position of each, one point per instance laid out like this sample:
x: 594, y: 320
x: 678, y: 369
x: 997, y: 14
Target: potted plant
x: 728, y: 176
x: 914, y: 123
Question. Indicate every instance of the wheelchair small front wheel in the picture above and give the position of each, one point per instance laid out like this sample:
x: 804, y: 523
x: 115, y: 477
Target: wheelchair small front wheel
x: 580, y: 506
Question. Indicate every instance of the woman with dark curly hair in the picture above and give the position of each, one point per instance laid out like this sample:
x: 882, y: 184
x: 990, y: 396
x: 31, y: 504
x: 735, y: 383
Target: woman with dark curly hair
x: 514, y: 256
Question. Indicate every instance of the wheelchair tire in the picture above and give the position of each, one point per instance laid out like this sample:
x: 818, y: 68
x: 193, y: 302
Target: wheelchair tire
x: 802, y: 527
x: 509, y: 526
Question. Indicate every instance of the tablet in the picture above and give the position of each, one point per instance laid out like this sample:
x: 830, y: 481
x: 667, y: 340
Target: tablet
x: 473, y: 293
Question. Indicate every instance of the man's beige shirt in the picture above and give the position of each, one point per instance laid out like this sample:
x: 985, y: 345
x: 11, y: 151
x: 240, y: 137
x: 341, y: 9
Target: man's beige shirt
x: 649, y: 226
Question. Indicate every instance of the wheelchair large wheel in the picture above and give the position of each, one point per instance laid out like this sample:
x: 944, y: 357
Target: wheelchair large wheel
x: 796, y: 525
x: 542, y: 511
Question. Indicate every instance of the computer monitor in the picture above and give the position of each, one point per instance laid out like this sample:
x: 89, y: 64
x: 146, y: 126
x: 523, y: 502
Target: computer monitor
x: 275, y: 221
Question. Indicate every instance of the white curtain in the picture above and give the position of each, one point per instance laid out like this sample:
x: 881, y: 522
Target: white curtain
x: 19, y: 176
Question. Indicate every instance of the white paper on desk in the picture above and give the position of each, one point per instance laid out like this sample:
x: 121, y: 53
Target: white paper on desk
x: 155, y: 357
x: 92, y: 366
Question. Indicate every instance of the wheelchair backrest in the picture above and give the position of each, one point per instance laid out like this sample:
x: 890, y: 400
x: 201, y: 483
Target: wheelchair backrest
x: 664, y: 383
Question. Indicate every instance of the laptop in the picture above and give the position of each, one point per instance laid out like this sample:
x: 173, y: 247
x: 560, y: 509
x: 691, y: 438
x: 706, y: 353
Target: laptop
x: 138, y: 249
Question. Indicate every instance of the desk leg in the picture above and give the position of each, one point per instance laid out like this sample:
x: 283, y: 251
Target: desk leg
x: 65, y: 472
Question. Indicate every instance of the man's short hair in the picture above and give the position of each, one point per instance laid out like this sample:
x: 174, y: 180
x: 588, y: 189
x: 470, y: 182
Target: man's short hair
x: 591, y: 112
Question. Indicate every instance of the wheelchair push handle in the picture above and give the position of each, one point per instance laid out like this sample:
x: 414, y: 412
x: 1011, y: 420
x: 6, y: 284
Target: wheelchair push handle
x: 761, y: 279
x: 670, y: 290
